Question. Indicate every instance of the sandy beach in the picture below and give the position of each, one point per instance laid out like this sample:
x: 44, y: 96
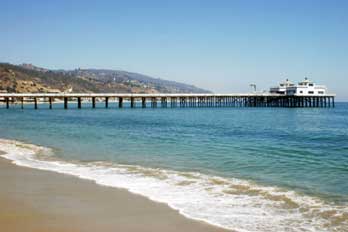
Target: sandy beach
x: 34, y: 200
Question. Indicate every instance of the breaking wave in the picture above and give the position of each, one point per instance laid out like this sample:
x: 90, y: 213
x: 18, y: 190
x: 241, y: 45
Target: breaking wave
x: 230, y: 203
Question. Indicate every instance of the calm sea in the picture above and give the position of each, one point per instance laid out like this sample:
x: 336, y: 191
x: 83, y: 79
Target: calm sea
x: 247, y: 169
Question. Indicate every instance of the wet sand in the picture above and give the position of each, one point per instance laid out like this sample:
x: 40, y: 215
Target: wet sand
x: 39, y: 201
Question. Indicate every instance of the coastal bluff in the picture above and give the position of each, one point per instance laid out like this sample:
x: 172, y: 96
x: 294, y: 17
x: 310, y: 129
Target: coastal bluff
x: 27, y: 78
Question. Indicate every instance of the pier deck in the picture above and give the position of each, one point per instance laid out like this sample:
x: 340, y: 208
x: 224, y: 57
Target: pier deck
x: 172, y: 100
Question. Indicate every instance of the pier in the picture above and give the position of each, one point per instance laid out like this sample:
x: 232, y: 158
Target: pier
x: 169, y: 100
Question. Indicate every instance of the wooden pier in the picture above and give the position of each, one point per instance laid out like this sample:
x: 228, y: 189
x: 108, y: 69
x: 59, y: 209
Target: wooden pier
x: 169, y: 100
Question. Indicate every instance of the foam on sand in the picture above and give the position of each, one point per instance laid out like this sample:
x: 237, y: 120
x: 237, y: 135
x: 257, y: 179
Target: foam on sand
x: 226, y: 202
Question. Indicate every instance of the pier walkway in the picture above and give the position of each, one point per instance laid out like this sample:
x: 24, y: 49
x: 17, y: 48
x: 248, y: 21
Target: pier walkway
x: 171, y: 100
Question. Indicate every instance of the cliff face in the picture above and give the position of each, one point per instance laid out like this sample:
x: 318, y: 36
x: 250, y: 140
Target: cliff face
x: 28, y: 78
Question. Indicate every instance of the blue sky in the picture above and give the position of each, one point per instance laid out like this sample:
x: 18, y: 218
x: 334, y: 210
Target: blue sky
x: 219, y: 45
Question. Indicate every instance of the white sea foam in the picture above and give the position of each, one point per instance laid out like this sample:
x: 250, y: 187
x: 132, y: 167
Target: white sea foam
x: 230, y: 203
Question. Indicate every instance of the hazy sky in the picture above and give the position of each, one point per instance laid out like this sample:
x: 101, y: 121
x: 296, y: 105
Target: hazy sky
x: 219, y: 45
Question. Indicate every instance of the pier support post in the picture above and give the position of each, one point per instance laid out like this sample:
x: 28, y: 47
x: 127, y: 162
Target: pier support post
x: 309, y: 102
x: 50, y: 102
x: 79, y: 102
x: 7, y: 100
x: 199, y: 103
x: 120, y: 102
x: 106, y: 102
x: 143, y: 102
x: 190, y: 101
x: 173, y: 102
x: 333, y: 102
x: 302, y: 102
x: 288, y: 103
x: 65, y: 103
x: 321, y: 102
x: 35, y: 103
x: 298, y: 101
x: 218, y: 101
x: 132, y: 102
x: 292, y: 102
x: 93, y: 102
x: 317, y: 102
x: 163, y: 102
x: 22, y: 103
x: 182, y: 101
x: 154, y: 102
x: 265, y: 102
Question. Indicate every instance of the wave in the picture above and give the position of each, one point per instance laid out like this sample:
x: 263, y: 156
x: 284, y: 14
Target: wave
x: 230, y: 203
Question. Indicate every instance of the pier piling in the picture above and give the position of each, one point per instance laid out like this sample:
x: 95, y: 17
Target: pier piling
x: 7, y: 100
x: 153, y: 102
x: 35, y: 103
x: 163, y: 102
x: 93, y: 102
x: 143, y: 102
x: 132, y: 102
x: 120, y: 102
x: 65, y: 103
x: 79, y: 102
x: 106, y: 102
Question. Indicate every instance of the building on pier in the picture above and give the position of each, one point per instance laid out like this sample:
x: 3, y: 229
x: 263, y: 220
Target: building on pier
x: 282, y: 87
x: 303, y: 88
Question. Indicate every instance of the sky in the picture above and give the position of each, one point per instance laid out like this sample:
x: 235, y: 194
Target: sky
x: 223, y: 46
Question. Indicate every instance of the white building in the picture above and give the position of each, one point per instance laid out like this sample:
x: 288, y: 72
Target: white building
x: 281, y: 89
x: 304, y: 88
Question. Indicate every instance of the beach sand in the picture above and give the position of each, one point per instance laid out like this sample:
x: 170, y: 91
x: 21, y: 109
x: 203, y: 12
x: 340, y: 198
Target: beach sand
x: 38, y: 201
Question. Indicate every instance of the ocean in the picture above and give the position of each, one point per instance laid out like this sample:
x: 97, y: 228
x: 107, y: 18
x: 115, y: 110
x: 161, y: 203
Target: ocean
x: 245, y: 169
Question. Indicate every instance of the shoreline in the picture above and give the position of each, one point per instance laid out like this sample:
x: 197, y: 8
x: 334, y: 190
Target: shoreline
x: 38, y: 200
x: 186, y: 200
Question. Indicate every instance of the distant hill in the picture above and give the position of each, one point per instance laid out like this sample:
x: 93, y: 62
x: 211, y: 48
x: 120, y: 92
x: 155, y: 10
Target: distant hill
x: 29, y: 78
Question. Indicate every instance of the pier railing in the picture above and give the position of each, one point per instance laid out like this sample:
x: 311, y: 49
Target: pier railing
x: 165, y: 100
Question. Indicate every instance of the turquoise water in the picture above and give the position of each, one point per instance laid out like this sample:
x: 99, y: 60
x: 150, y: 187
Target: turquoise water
x: 299, y: 150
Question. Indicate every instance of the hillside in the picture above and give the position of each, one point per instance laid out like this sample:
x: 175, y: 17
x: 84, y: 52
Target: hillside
x: 28, y: 78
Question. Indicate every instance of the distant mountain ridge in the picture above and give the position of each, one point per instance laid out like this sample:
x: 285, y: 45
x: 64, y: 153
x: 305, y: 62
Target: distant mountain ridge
x: 29, y: 78
x: 118, y: 76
